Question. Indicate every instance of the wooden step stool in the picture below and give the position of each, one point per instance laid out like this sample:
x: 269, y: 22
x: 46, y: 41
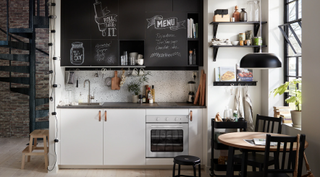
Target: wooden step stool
x: 28, y: 151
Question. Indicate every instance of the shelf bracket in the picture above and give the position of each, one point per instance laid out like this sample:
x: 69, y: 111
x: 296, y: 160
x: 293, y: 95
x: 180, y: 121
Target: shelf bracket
x: 215, y: 53
x: 256, y: 49
x: 215, y: 29
x: 256, y: 29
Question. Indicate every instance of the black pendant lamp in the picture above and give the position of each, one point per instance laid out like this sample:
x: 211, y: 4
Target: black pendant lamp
x: 261, y: 60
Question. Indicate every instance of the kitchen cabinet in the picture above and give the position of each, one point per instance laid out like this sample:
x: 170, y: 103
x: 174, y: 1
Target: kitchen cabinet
x: 195, y: 132
x: 116, y: 137
x: 124, y: 137
x: 81, y: 137
x: 156, y: 29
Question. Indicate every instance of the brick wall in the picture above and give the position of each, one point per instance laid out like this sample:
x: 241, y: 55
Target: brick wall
x: 14, y: 107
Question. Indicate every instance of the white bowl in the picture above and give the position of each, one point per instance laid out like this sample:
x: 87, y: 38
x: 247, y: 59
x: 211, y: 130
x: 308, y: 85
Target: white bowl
x: 234, y: 42
x: 140, y: 61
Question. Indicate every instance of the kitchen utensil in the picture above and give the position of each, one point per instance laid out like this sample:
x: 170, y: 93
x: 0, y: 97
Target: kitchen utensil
x: 191, y: 91
x: 115, y: 82
x: 135, y: 72
x: 197, y: 95
x: 141, y: 72
x: 107, y: 81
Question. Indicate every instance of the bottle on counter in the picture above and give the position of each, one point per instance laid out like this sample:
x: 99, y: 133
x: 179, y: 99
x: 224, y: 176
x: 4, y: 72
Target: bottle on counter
x: 236, y: 14
x: 153, y: 93
x: 150, y: 96
x: 144, y: 99
x: 147, y: 89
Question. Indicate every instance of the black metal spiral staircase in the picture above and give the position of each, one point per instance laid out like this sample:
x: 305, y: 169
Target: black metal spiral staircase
x: 12, y: 42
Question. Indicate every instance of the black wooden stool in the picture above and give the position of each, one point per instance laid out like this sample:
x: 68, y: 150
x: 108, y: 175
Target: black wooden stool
x: 186, y: 160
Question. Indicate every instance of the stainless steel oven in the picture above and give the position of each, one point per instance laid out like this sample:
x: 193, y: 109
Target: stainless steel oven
x: 167, y: 136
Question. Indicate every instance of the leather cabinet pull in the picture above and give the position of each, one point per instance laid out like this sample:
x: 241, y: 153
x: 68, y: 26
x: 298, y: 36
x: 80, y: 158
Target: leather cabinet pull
x: 190, y: 115
x: 99, y: 116
x: 105, y: 116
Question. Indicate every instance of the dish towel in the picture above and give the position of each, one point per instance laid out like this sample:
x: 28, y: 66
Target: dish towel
x: 238, y: 102
x: 248, y: 110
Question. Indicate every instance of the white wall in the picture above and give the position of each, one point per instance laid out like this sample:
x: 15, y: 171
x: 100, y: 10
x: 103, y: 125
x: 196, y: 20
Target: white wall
x: 310, y: 86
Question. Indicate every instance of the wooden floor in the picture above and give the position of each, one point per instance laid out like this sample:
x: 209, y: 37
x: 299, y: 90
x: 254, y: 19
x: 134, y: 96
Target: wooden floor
x: 10, y: 163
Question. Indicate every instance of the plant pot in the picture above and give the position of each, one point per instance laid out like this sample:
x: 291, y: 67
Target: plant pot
x: 296, y: 118
x: 134, y: 98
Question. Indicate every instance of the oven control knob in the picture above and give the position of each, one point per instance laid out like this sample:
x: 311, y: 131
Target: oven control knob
x: 157, y: 119
x: 167, y: 118
x: 177, y: 119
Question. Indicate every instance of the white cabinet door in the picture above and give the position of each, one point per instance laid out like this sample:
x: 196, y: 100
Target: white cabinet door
x: 124, y: 137
x: 195, y: 132
x: 81, y: 137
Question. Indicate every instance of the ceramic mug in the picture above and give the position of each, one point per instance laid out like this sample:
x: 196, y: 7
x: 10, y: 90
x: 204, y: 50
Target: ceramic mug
x: 141, y: 72
x: 135, y: 72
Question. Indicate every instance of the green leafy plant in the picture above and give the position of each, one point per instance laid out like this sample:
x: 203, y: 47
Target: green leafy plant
x: 295, y: 93
x: 134, y: 87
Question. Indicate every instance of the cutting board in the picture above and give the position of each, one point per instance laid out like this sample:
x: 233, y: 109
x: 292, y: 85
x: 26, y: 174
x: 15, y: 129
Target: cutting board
x: 115, y: 82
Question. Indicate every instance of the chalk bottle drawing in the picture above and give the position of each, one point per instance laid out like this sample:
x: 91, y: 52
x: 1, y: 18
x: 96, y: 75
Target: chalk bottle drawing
x: 77, y: 53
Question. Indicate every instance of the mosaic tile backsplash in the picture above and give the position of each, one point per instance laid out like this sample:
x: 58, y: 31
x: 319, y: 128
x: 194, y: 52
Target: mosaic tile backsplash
x: 170, y: 86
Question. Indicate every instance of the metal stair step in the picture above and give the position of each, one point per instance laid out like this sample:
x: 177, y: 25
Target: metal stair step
x: 42, y: 125
x: 41, y: 101
x: 41, y: 22
x: 24, y: 91
x: 42, y: 113
x: 18, y: 80
x: 18, y: 69
x: 15, y: 45
x: 24, y: 32
x: 15, y: 57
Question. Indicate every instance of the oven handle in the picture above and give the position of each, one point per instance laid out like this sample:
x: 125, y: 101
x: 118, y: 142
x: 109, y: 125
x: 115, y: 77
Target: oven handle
x: 166, y: 127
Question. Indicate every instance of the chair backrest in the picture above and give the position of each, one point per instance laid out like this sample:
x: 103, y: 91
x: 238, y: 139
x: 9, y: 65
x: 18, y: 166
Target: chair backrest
x: 284, y: 154
x: 268, y: 124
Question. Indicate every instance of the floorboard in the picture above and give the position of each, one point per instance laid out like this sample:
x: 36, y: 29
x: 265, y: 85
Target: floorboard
x: 10, y: 164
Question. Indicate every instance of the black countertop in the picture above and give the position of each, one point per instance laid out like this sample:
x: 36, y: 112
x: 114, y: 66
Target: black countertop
x: 126, y: 105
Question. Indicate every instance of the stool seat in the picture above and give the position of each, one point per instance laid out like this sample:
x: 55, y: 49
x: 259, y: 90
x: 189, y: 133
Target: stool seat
x: 186, y: 160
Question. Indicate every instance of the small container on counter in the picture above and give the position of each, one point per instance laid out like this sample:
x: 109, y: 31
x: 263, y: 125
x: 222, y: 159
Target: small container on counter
x: 140, y: 99
x: 144, y: 99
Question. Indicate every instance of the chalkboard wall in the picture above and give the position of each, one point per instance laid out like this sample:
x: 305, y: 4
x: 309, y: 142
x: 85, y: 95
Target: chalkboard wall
x: 96, y: 32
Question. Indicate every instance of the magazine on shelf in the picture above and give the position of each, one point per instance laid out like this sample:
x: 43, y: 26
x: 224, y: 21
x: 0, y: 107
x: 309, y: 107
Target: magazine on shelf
x: 244, y: 74
x: 227, y: 73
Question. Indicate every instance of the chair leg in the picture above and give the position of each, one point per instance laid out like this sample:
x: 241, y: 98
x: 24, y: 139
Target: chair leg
x: 194, y: 171
x: 45, y: 152
x: 179, y: 170
x: 22, y: 161
x: 174, y: 169
x: 29, y: 156
x: 199, y: 170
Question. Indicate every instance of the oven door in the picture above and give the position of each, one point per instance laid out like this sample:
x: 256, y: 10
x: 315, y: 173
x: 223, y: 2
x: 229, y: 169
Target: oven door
x: 167, y: 140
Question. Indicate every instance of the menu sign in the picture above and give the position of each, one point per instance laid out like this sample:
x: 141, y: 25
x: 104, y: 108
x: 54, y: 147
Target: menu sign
x: 166, y: 43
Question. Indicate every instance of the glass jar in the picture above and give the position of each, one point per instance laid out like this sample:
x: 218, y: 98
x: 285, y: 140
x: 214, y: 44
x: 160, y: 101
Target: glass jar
x: 243, y: 15
x: 256, y: 11
x: 77, y: 53
x: 250, y: 11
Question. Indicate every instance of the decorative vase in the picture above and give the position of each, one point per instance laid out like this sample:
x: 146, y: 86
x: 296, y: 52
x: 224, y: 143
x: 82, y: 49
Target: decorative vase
x: 296, y: 118
x: 134, y: 98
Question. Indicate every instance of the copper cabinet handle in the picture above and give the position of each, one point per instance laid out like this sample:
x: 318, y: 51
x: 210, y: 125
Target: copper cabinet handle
x: 190, y: 115
x: 99, y: 116
x: 105, y: 116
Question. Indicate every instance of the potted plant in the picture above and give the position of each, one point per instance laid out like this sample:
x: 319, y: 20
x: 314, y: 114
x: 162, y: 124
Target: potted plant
x: 295, y: 98
x: 134, y: 87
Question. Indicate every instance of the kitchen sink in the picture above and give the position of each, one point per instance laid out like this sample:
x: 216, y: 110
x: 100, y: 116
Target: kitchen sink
x: 90, y: 103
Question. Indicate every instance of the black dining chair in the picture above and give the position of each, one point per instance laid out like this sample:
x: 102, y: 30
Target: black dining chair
x: 263, y: 124
x: 285, y: 156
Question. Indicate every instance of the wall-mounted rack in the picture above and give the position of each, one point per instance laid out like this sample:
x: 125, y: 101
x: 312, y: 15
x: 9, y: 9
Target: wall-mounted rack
x: 235, y: 83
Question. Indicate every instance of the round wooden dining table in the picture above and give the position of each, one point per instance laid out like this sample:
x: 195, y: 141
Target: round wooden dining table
x: 236, y: 140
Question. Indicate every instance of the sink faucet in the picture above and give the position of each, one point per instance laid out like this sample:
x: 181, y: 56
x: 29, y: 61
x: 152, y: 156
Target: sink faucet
x: 84, y: 86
